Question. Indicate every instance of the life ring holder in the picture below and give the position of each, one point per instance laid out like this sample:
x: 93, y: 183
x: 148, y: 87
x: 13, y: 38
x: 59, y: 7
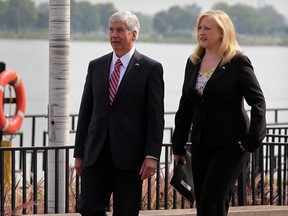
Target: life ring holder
x: 12, y: 78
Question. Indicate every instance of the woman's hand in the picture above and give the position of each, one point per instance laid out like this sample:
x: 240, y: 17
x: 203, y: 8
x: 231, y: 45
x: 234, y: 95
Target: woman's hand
x: 241, y: 146
x: 181, y: 158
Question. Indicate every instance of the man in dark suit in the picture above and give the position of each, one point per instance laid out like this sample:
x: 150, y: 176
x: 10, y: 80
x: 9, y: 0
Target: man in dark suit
x: 120, y: 125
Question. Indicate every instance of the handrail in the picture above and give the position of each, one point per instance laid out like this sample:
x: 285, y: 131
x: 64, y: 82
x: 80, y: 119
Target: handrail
x: 273, y: 115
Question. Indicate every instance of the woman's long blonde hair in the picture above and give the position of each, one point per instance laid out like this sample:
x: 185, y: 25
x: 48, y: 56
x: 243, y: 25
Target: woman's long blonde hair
x: 229, y: 45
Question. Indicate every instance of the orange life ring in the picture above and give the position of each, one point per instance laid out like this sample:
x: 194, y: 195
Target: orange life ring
x: 12, y: 78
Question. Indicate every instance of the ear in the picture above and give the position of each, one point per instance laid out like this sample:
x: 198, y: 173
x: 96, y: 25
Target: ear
x: 134, y: 35
x: 221, y: 34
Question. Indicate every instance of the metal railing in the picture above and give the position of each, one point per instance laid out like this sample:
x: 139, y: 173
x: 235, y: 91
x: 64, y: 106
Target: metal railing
x: 264, y: 181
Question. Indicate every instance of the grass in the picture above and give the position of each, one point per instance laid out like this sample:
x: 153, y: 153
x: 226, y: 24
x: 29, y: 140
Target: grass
x: 29, y: 203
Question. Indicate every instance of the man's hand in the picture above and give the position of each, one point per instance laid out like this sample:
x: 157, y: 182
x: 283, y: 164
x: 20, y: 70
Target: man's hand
x: 78, y: 165
x: 148, y: 168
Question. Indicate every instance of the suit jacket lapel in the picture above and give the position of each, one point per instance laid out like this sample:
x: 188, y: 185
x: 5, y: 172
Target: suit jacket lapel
x: 134, y: 65
x: 217, y: 74
x: 105, y: 73
x: 192, y: 80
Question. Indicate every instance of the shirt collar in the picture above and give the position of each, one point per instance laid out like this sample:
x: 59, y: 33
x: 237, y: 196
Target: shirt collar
x: 125, y: 59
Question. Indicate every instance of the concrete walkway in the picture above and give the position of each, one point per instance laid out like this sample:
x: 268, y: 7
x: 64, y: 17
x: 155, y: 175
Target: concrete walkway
x: 269, y: 210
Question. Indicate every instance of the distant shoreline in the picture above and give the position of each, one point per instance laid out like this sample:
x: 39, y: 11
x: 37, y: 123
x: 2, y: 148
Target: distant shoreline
x: 242, y: 39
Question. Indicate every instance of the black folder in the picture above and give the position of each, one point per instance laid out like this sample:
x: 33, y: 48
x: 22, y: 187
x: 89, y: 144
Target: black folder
x: 182, y: 179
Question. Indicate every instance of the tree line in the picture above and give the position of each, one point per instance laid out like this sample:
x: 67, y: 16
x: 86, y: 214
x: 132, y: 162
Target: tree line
x: 88, y: 18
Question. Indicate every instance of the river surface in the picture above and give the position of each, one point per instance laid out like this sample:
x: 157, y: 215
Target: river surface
x: 30, y: 59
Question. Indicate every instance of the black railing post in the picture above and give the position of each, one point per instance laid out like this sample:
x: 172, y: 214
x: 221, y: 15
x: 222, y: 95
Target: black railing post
x: 276, y: 116
x: 2, y: 68
x: 167, y: 174
x: 242, y: 188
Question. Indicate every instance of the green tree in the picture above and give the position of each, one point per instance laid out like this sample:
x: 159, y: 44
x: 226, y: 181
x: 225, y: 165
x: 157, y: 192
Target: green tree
x: 274, y: 21
x: 105, y: 11
x: 20, y: 15
x: 43, y: 16
x: 176, y: 19
x: 246, y: 19
x: 84, y: 17
x: 3, y: 8
x: 249, y: 20
x: 160, y: 22
x: 146, y: 23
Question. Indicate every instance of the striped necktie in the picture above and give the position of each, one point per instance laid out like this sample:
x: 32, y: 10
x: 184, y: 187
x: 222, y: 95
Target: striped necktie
x: 114, y: 79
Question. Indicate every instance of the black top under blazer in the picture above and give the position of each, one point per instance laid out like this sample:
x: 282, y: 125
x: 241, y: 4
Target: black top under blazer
x: 135, y: 121
x: 219, y: 118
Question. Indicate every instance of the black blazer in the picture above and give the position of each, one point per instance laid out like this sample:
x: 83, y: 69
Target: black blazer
x: 218, y: 118
x: 135, y: 121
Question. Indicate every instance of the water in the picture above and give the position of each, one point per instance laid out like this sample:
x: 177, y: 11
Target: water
x: 30, y: 59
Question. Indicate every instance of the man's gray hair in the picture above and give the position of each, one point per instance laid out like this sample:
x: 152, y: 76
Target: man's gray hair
x: 129, y: 19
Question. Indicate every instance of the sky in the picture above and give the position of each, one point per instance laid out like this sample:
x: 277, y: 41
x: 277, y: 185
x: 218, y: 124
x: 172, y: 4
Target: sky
x: 154, y: 6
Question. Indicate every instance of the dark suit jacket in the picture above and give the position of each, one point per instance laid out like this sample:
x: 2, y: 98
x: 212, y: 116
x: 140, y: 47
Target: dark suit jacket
x: 218, y: 118
x: 134, y: 122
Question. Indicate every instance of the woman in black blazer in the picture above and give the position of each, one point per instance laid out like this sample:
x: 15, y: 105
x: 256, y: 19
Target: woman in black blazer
x: 218, y: 77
